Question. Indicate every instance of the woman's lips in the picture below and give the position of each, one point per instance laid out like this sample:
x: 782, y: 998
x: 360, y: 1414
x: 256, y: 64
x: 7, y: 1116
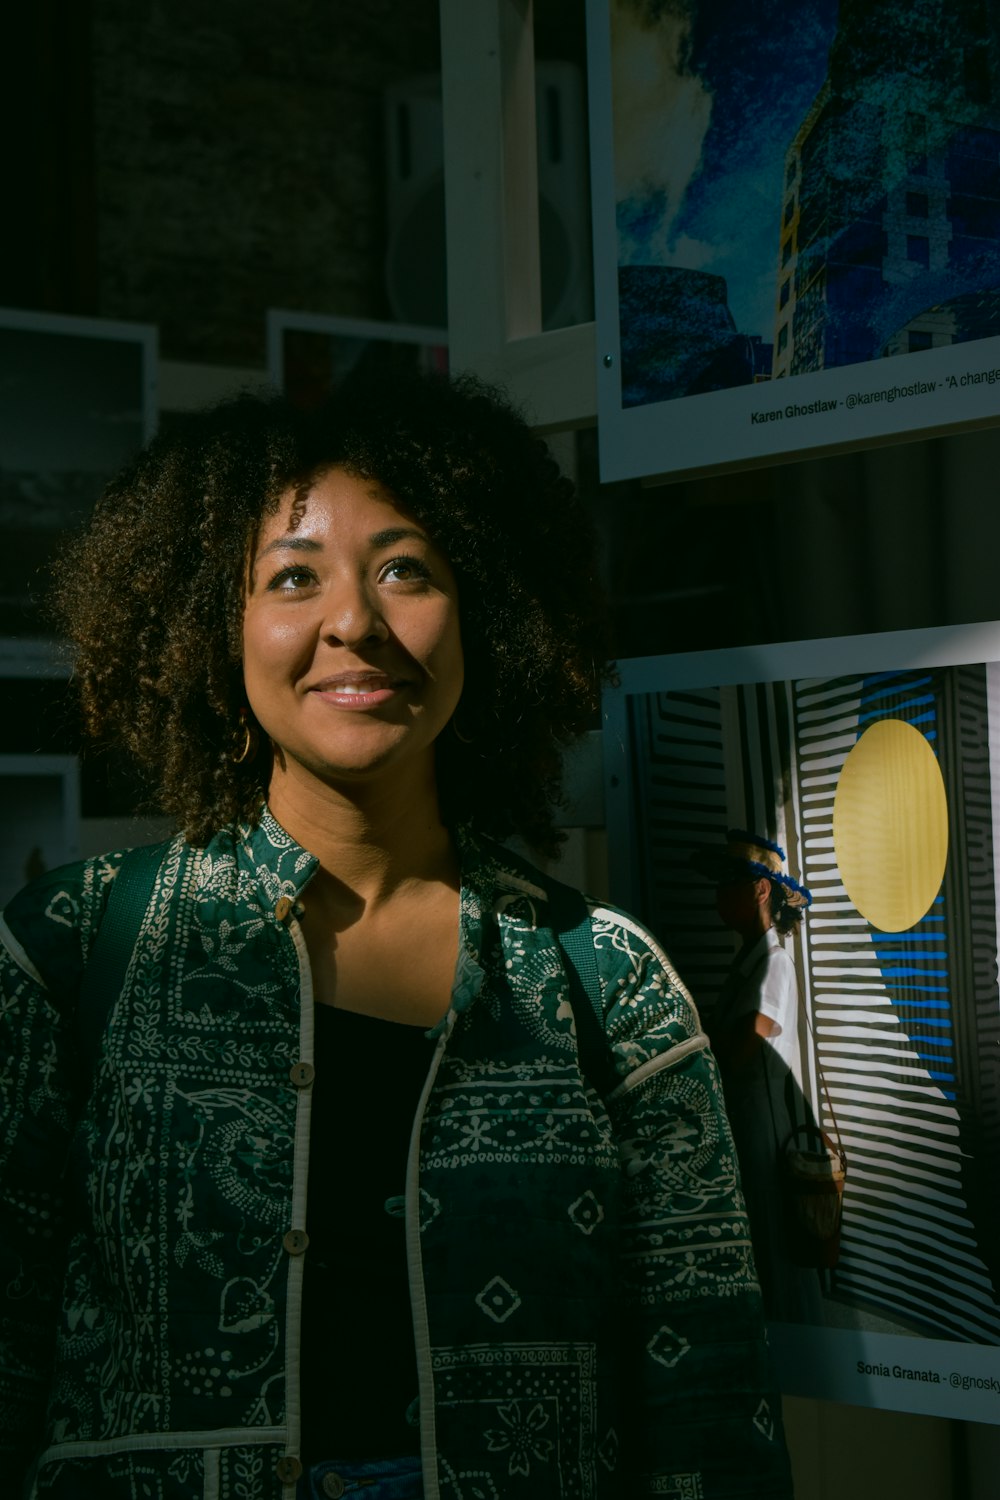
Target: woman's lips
x: 358, y: 690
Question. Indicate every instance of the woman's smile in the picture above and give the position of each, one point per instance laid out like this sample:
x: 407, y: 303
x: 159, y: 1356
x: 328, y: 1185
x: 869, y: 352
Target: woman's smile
x: 358, y: 689
x: 352, y: 653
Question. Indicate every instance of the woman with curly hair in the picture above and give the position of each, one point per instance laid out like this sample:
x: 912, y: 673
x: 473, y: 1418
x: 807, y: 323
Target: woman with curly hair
x: 317, y: 1171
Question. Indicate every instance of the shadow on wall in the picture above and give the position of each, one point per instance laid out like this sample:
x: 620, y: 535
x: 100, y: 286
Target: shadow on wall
x: 891, y: 538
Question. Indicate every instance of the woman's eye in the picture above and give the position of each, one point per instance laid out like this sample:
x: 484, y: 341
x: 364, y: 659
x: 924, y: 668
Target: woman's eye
x: 288, y: 580
x: 404, y: 570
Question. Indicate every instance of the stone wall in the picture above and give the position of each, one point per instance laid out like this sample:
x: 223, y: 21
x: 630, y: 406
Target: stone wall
x: 190, y: 164
x: 238, y: 161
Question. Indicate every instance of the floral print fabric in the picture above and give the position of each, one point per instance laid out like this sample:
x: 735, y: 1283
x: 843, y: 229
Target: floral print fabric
x: 587, y: 1318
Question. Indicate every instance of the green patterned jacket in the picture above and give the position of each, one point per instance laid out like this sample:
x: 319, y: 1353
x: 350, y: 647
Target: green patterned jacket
x: 587, y: 1319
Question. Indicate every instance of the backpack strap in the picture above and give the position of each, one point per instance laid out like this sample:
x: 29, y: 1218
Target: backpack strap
x: 572, y: 926
x: 104, y: 976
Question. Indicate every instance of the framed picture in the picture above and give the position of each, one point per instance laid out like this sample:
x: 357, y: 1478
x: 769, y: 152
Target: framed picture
x: 873, y: 764
x: 791, y: 193
x: 309, y: 355
x: 79, y: 398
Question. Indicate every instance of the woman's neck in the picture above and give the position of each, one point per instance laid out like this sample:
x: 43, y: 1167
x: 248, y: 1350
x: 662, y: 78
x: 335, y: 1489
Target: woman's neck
x: 380, y: 916
x: 371, y: 838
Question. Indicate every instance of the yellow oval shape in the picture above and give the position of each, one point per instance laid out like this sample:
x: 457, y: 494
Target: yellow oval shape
x: 890, y: 825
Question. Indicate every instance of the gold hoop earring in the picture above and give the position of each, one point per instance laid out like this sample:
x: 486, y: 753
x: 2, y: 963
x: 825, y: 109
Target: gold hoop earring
x: 464, y: 739
x: 248, y: 749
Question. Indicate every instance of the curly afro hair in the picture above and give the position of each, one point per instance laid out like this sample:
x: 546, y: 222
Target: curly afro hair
x: 152, y: 594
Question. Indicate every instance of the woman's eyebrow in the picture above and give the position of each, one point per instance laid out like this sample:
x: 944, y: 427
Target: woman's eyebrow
x: 394, y: 534
x: 291, y: 544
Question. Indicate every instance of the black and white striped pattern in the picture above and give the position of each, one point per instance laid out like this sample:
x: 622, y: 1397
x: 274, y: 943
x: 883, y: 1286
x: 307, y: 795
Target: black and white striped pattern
x: 912, y: 1083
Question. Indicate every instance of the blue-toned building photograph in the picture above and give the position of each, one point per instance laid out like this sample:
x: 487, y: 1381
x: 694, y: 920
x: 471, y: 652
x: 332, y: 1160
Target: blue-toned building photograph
x: 801, y: 186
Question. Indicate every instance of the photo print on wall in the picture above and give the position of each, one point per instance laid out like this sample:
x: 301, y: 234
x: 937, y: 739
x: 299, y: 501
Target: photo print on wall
x: 874, y: 762
x: 796, y: 192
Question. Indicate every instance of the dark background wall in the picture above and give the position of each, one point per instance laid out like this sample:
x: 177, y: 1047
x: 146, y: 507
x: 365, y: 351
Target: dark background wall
x: 192, y: 165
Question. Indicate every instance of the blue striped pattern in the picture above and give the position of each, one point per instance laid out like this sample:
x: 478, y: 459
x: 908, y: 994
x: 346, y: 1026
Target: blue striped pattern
x: 882, y: 1007
x: 914, y: 964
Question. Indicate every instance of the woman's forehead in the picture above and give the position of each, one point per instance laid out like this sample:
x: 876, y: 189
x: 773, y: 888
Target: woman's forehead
x: 337, y: 504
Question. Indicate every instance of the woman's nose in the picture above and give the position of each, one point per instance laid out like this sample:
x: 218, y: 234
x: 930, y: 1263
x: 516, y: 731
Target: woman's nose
x: 353, y: 615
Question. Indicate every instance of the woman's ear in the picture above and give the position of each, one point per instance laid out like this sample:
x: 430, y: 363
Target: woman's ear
x: 762, y: 891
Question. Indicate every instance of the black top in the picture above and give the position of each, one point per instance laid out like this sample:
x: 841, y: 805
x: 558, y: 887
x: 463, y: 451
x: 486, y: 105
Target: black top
x: 358, y: 1357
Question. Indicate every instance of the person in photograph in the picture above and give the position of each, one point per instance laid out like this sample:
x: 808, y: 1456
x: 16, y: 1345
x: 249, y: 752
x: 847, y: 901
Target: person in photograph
x: 755, y: 1037
x: 324, y: 1192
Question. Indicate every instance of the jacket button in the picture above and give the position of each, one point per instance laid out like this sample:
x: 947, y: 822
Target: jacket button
x: 296, y: 1241
x: 302, y: 1074
x: 333, y: 1486
x: 288, y: 1469
x: 283, y: 908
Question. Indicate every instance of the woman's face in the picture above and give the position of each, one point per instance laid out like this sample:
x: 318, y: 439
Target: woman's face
x: 352, y: 654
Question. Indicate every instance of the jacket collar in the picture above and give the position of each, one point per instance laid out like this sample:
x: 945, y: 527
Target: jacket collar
x: 503, y: 911
x: 500, y: 898
x: 280, y: 866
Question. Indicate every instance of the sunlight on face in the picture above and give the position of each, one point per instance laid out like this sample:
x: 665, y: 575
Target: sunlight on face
x: 352, y: 652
